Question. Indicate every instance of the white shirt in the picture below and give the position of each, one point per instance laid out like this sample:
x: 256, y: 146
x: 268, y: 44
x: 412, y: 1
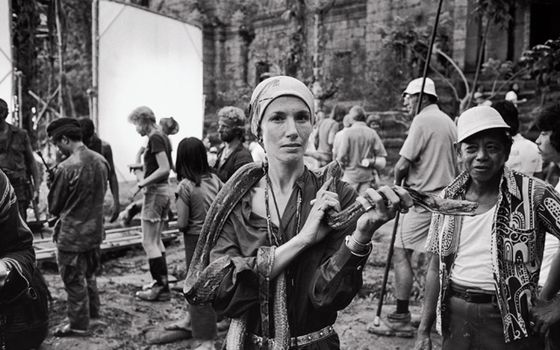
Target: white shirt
x: 257, y: 152
x: 473, y: 263
x: 524, y: 156
x: 551, y: 245
x: 511, y: 96
x: 336, y: 142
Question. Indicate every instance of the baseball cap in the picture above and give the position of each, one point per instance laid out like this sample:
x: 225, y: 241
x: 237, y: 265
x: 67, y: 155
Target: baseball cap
x: 477, y: 119
x: 415, y: 86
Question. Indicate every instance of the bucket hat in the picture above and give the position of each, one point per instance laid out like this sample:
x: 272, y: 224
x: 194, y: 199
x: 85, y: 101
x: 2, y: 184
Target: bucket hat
x: 415, y: 86
x: 477, y: 119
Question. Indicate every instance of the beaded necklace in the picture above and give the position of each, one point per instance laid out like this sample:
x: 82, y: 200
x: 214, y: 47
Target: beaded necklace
x: 272, y: 238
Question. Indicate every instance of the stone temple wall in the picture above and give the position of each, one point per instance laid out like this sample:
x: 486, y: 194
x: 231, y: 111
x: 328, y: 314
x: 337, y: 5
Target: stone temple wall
x: 244, y: 38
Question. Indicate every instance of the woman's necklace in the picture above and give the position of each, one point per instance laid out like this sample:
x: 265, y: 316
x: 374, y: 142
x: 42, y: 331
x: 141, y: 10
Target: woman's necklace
x: 272, y: 238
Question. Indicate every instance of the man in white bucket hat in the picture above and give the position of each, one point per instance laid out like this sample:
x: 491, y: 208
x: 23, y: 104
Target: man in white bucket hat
x: 482, y: 279
x: 427, y: 163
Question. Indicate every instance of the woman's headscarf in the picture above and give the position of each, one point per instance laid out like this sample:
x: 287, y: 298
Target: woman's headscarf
x: 270, y: 89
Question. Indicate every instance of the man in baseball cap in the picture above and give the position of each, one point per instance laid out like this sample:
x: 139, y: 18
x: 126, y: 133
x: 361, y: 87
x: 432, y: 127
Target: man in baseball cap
x: 427, y: 163
x: 482, y: 279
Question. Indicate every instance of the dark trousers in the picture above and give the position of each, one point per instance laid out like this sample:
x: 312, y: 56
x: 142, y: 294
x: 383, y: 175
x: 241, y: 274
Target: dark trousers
x: 203, y: 317
x: 479, y: 327
x: 78, y: 272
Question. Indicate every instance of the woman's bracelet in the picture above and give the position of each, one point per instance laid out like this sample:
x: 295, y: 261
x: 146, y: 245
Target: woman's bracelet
x: 357, y: 248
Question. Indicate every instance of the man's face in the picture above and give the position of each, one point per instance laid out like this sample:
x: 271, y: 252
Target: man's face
x: 483, y: 155
x: 548, y: 152
x: 63, y: 145
x: 409, y: 103
x: 226, y: 130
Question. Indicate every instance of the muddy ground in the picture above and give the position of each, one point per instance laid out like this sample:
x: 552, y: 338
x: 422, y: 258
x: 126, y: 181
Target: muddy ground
x: 130, y: 323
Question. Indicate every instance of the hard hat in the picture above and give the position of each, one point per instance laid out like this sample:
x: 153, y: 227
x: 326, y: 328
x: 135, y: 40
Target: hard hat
x: 477, y: 119
x: 415, y: 86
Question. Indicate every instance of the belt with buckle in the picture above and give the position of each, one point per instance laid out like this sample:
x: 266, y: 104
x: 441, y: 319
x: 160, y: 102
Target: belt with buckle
x: 477, y: 296
x: 300, y: 341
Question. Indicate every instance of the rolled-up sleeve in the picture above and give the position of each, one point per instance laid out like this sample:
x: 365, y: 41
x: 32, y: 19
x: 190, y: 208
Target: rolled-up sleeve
x: 238, y: 290
x: 339, y: 277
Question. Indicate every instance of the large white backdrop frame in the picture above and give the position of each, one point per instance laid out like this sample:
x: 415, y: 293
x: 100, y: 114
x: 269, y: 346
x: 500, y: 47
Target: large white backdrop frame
x: 146, y: 59
x: 6, y: 74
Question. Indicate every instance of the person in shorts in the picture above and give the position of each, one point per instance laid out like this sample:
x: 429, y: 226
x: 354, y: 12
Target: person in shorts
x: 157, y: 165
x: 427, y: 163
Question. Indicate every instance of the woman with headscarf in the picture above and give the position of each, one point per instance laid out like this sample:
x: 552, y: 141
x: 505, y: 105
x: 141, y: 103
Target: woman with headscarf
x: 277, y: 269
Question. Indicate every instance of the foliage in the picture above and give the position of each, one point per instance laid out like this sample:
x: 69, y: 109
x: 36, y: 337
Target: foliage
x: 296, y: 56
x: 496, y: 70
x: 496, y: 10
x: 77, y: 55
x: 24, y: 25
x: 405, y: 47
x: 543, y: 65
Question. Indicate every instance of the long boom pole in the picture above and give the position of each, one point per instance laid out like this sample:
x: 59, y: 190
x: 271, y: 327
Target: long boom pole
x: 93, y: 93
x: 429, y: 57
x: 395, y: 226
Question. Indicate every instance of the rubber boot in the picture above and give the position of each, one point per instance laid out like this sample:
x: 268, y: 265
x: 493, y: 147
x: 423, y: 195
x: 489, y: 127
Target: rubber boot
x: 160, y: 290
x: 154, y: 282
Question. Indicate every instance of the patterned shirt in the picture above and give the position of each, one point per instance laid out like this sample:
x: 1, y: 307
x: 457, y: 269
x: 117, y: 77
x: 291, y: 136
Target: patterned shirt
x: 527, y: 209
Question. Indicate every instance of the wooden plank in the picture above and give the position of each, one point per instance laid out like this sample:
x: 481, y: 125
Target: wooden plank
x: 116, y: 239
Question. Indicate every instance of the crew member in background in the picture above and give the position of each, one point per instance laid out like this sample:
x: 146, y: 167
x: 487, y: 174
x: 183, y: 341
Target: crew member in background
x: 524, y: 156
x: 346, y: 124
x: 231, y: 128
x: 155, y: 206
x: 94, y: 143
x: 76, y: 195
x: 326, y: 130
x: 427, y: 163
x: 548, y: 312
x: 361, y: 152
x: 17, y: 161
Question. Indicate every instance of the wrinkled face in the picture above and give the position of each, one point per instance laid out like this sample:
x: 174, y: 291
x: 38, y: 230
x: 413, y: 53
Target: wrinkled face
x: 483, y: 155
x: 548, y: 152
x: 225, y: 130
x: 285, y: 128
x: 409, y: 103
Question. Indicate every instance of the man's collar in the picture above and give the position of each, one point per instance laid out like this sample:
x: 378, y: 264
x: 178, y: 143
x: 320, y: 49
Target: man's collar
x: 358, y: 123
x: 458, y: 186
x: 430, y: 107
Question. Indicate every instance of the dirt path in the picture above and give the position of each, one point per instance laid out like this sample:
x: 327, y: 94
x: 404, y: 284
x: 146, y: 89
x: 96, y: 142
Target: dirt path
x: 130, y: 322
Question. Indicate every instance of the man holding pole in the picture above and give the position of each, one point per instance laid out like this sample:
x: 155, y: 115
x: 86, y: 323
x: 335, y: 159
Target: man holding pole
x: 427, y: 163
x: 483, y: 274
